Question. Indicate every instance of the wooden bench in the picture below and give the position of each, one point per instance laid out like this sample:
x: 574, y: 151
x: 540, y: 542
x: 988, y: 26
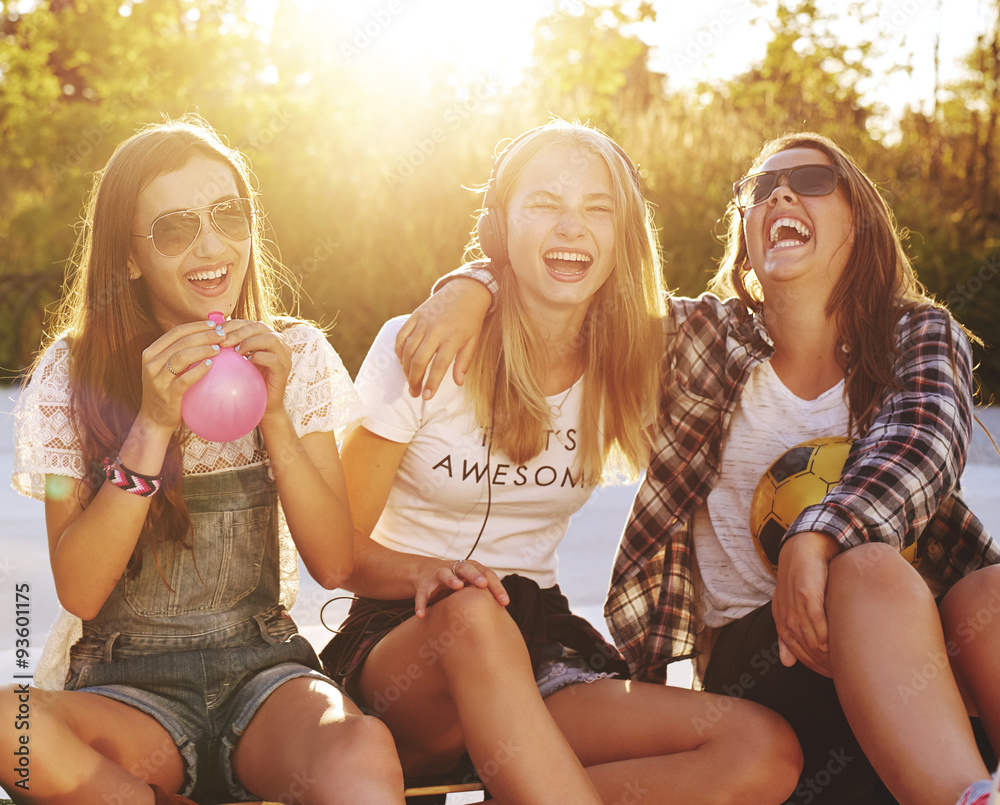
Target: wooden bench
x: 435, y: 790
x: 417, y: 793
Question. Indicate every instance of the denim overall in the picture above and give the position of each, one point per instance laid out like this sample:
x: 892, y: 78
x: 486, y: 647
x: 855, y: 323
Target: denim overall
x: 201, y: 655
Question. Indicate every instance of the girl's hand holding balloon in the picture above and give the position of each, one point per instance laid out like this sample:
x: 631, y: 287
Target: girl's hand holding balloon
x: 235, y: 394
x: 266, y: 350
x: 170, y: 366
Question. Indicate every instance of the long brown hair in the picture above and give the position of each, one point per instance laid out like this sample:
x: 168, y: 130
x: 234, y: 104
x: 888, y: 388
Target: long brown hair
x: 621, y: 336
x: 877, y: 288
x: 107, y: 318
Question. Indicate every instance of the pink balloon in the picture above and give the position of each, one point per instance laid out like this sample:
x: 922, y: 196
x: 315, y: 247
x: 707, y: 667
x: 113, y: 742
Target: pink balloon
x: 229, y: 401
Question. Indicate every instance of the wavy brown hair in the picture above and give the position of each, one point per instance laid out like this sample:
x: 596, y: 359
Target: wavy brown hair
x: 621, y: 341
x: 877, y: 288
x: 108, y: 321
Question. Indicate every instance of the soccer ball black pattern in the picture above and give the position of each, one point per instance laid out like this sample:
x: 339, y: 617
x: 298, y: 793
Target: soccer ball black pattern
x: 800, y: 477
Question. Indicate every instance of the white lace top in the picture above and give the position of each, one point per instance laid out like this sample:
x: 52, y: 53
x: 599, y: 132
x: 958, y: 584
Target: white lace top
x: 319, y: 397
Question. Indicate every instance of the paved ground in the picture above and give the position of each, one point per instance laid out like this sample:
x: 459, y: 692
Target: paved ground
x: 585, y: 555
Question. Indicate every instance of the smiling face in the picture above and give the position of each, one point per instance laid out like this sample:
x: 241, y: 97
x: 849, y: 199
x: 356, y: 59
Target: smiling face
x: 560, y: 223
x: 793, y: 238
x: 209, y: 274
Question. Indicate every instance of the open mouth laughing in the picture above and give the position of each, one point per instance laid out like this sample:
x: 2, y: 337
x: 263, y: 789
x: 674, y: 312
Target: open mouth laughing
x: 567, y: 263
x: 788, y: 232
x: 209, y: 278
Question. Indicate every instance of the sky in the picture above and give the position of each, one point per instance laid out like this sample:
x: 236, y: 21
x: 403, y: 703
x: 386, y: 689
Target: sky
x: 727, y: 38
x: 692, y: 41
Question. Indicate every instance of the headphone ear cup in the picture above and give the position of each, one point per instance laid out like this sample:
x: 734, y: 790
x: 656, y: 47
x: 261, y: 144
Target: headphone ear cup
x: 491, y: 231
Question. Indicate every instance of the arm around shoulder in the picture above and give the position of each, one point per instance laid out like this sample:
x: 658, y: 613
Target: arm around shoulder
x: 445, y: 328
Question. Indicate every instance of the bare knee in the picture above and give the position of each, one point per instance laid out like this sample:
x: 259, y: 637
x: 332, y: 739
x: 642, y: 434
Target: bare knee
x: 470, y: 618
x: 371, y: 744
x: 24, y: 711
x: 15, y: 715
x: 32, y: 725
x: 15, y: 707
x: 361, y: 761
x: 873, y: 570
x: 768, y: 762
x: 970, y: 616
x: 972, y: 605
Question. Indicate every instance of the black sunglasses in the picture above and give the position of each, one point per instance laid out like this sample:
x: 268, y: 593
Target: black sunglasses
x: 806, y: 180
x: 175, y: 232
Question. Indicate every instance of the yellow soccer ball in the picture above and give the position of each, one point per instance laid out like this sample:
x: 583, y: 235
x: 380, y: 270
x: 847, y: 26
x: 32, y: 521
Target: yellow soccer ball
x: 799, y: 477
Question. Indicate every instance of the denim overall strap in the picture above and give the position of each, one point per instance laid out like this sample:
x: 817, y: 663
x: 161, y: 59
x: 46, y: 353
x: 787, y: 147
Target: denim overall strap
x: 212, y: 595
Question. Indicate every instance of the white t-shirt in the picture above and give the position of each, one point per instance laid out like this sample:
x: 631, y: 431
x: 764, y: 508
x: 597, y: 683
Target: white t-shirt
x: 442, y: 490
x: 319, y: 397
x: 767, y: 421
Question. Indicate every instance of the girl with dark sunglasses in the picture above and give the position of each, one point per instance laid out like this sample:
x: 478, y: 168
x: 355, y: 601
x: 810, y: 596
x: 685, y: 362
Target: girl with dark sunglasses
x: 820, y: 328
x: 175, y: 666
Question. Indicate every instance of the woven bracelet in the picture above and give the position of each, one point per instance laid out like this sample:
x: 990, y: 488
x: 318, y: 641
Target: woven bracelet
x: 122, y: 477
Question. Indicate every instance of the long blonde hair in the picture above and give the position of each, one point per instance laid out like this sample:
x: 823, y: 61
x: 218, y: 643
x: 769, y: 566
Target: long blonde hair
x: 621, y: 339
x: 108, y: 320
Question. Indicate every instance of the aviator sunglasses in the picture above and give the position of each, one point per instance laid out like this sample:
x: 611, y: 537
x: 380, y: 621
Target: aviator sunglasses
x: 806, y: 180
x: 175, y: 232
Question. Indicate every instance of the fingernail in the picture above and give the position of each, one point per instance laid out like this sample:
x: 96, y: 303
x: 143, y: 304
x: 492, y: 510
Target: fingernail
x: 208, y: 362
x: 215, y: 347
x: 427, y: 394
x: 211, y: 323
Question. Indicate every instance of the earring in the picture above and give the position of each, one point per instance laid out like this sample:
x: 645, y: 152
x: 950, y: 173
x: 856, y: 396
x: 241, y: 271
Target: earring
x: 845, y: 356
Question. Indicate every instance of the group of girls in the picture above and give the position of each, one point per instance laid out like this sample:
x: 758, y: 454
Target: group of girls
x: 440, y: 497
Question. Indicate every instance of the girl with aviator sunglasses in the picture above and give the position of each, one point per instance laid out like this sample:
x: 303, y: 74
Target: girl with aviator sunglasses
x: 174, y: 233
x: 175, y: 666
x: 820, y: 328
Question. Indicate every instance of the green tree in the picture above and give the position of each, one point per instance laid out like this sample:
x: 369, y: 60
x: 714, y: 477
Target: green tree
x: 78, y: 76
x: 946, y: 194
x: 807, y: 80
x: 363, y: 161
x: 585, y: 60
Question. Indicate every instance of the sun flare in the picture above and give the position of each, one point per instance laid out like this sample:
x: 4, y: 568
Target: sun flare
x: 414, y: 36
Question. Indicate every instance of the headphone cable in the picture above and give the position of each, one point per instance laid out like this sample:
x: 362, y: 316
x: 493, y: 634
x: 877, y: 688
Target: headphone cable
x: 489, y: 454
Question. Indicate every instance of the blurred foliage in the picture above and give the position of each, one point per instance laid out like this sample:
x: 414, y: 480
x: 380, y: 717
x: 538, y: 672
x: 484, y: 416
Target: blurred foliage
x: 362, y: 160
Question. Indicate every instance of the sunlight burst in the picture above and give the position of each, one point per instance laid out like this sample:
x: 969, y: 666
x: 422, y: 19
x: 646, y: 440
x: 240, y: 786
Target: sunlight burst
x: 416, y: 35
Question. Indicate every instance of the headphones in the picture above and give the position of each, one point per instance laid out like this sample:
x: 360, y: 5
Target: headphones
x: 491, y: 228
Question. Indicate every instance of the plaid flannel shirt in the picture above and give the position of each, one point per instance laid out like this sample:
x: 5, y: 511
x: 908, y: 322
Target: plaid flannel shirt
x: 900, y: 481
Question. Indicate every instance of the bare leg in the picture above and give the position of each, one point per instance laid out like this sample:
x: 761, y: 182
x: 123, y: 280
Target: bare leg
x: 894, y: 680
x: 653, y: 744
x: 85, y: 748
x: 970, y: 613
x: 460, y: 680
x: 327, y: 751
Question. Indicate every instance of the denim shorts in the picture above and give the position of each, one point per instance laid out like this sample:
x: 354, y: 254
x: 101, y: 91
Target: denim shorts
x: 561, y: 667
x: 204, y: 700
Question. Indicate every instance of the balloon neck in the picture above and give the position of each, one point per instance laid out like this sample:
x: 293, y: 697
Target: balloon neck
x: 216, y: 317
